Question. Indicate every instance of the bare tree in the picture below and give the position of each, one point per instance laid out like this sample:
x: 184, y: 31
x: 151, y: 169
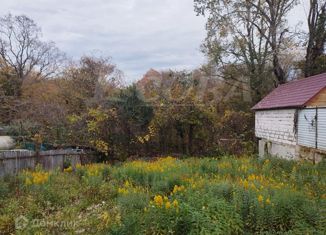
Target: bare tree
x: 22, y: 49
x: 317, y: 36
x: 253, y: 34
x: 273, y: 13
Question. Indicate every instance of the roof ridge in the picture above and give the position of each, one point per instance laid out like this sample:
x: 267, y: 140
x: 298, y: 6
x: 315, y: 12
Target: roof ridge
x: 294, y: 93
x: 303, y: 79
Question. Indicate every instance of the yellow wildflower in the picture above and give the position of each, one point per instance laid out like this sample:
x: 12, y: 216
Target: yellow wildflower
x: 251, y: 177
x: 245, y: 184
x: 160, y: 165
x: 158, y: 199
x: 36, y: 178
x: 268, y: 201
x: 94, y: 169
x: 123, y: 191
x: 260, y: 198
x: 167, y: 205
x: 28, y: 181
x: 253, y: 186
x: 224, y: 165
x: 175, y: 203
x: 178, y: 189
x: 69, y: 169
x: 106, y: 218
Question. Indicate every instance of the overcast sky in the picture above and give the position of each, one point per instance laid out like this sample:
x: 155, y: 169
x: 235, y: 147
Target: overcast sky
x: 137, y: 34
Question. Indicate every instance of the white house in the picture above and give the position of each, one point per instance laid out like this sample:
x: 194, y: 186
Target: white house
x: 291, y: 121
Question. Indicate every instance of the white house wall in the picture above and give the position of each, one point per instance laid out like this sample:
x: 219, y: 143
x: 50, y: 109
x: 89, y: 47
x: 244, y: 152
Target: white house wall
x: 276, y: 125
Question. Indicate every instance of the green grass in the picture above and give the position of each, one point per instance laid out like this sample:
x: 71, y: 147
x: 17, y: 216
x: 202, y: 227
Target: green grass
x: 170, y: 196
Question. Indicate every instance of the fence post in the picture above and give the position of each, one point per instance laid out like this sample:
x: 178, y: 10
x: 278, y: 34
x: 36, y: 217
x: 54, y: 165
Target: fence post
x: 316, y: 136
x: 37, y: 141
x: 16, y: 163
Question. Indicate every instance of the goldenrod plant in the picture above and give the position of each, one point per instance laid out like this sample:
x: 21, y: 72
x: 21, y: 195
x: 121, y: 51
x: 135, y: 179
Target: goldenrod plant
x: 228, y: 195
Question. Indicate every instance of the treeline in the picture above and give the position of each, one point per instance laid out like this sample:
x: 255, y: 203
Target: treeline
x: 46, y: 98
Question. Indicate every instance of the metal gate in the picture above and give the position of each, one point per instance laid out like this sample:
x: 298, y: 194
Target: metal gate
x: 312, y: 128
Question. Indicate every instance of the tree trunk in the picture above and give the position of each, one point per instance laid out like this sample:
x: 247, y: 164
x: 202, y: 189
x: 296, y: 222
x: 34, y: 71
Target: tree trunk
x: 317, y: 37
x: 190, y: 138
x: 278, y: 71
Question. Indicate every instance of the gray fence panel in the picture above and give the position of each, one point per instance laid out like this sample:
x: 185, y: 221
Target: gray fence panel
x: 307, y: 127
x: 12, y: 162
x: 321, y: 129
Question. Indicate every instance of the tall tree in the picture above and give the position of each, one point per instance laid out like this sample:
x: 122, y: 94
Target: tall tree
x: 8, y: 84
x: 22, y: 49
x: 317, y: 38
x: 134, y: 114
x: 88, y: 82
x: 251, y: 34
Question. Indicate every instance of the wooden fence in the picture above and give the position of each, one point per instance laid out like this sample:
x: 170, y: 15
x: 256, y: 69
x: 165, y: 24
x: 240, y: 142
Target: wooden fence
x: 12, y: 162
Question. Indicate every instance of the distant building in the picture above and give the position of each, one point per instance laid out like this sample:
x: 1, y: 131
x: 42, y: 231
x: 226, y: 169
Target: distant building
x: 291, y: 120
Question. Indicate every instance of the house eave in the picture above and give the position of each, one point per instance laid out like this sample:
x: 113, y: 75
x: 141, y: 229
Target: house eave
x: 277, y: 108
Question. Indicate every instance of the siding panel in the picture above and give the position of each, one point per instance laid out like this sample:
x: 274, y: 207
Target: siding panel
x: 307, y: 128
x: 322, y: 129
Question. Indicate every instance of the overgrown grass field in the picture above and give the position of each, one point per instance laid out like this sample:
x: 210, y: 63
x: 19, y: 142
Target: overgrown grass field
x: 170, y: 196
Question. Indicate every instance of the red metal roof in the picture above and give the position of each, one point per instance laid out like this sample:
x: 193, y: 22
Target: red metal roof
x: 293, y: 94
